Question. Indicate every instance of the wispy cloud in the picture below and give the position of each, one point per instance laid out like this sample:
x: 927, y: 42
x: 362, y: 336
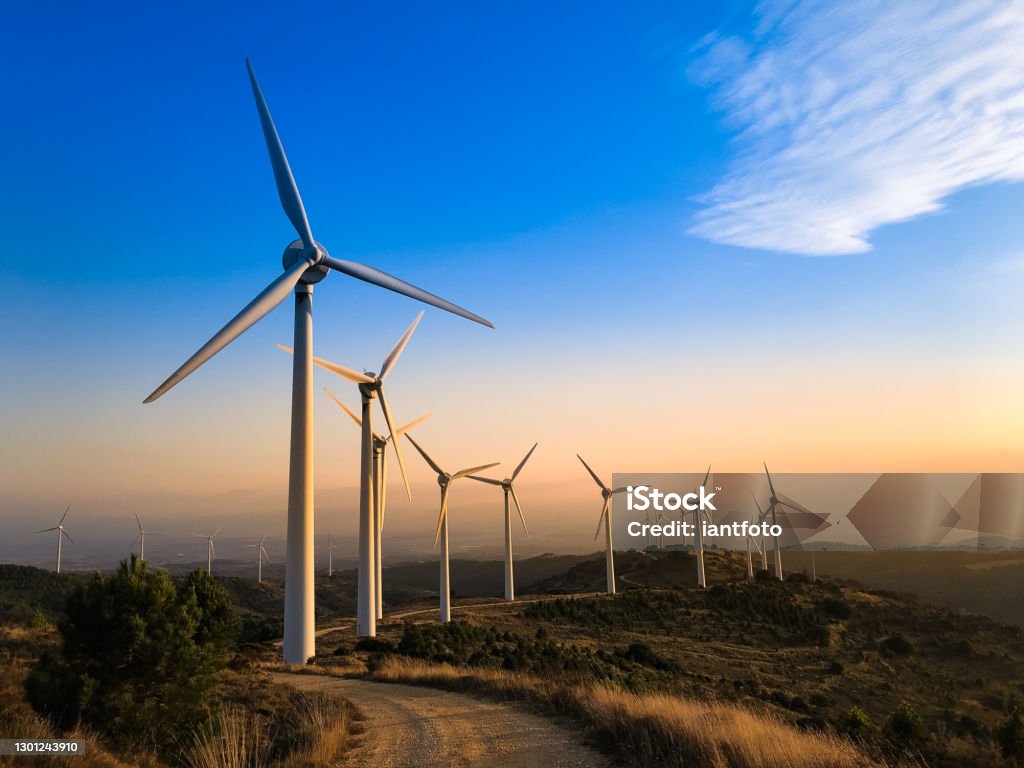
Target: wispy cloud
x: 861, y: 113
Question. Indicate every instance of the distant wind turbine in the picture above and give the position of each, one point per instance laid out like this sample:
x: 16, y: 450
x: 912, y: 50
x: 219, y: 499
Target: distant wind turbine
x: 606, y: 518
x: 371, y: 386
x: 699, y: 515
x: 445, y: 479
x: 209, y: 548
x: 306, y: 262
x: 261, y: 553
x: 141, y: 538
x: 330, y: 555
x: 759, y: 547
x: 773, y: 502
x: 507, y: 486
x: 61, y: 534
x: 380, y: 486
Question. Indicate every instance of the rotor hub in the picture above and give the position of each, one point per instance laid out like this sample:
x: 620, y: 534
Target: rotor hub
x: 444, y: 479
x: 506, y: 484
x: 296, y: 250
x: 605, y: 493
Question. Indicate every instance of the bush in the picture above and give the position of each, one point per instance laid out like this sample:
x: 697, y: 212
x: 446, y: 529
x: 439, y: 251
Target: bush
x: 907, y: 724
x: 137, y: 656
x: 857, y: 724
x: 898, y: 644
x: 1010, y: 732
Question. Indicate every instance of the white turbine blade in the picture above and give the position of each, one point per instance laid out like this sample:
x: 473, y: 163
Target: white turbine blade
x: 526, y: 458
x: 600, y: 520
x: 217, y: 531
x: 345, y: 408
x: 392, y: 358
x: 519, y: 509
x: 269, y: 298
x: 64, y: 516
x: 473, y: 470
x: 620, y: 489
x: 593, y: 474
x: 66, y: 535
x: 262, y: 540
x: 444, y: 513
x: 384, y: 280
x: 490, y: 480
x: 263, y: 553
x: 426, y: 458
x: 414, y: 423
x: 339, y: 370
x: 286, y: 188
x: 47, y: 530
x: 770, y: 486
x: 395, y: 434
x: 139, y: 522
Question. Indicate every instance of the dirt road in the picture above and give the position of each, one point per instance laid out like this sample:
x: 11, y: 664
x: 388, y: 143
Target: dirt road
x: 422, y: 727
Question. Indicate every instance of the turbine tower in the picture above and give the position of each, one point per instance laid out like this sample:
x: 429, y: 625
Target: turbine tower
x: 698, y: 536
x: 141, y: 538
x: 773, y: 502
x: 371, y: 386
x: 306, y: 262
x: 209, y: 548
x: 330, y: 556
x: 380, y: 487
x: 759, y: 547
x: 606, y: 518
x: 507, y: 486
x: 444, y: 479
x: 261, y: 553
x: 61, y: 534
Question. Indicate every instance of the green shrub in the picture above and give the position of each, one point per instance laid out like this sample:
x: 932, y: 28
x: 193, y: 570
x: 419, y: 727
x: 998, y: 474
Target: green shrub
x: 857, y: 724
x: 1009, y: 733
x: 906, y: 724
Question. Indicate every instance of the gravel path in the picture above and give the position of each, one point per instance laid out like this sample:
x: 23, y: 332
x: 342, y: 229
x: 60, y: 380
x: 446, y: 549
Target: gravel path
x: 421, y: 727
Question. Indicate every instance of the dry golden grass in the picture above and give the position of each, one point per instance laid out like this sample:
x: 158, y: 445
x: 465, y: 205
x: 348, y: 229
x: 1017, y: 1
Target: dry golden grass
x: 652, y: 730
x: 327, y: 723
x: 235, y: 739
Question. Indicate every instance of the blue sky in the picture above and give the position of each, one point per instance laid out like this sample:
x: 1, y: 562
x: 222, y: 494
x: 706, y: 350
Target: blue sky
x: 728, y: 207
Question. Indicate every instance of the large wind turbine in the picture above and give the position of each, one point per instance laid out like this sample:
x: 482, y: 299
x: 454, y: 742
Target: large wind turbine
x: 508, y: 488
x: 606, y: 518
x: 330, y: 555
x: 306, y: 262
x: 371, y: 385
x: 61, y: 534
x: 261, y: 553
x: 141, y: 538
x: 773, y: 502
x: 380, y: 488
x: 444, y: 479
x: 209, y: 548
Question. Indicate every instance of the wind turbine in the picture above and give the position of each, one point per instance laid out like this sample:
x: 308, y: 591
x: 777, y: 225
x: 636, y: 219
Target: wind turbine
x: 209, y: 548
x: 61, y: 534
x: 759, y: 547
x: 371, y: 385
x: 261, y: 552
x: 762, y: 515
x: 508, y: 488
x: 306, y: 262
x: 330, y: 556
x: 606, y: 518
x: 698, y: 536
x: 773, y: 502
x: 380, y: 487
x: 661, y: 536
x: 141, y: 538
x: 445, y: 479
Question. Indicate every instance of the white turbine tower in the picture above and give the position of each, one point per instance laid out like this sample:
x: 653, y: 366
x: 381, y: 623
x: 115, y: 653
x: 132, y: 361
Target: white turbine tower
x: 661, y: 536
x: 507, y: 486
x: 306, y: 262
x: 759, y: 547
x: 444, y: 479
x: 330, y: 556
x: 209, y: 548
x: 371, y: 386
x: 261, y: 553
x: 699, y: 516
x: 380, y: 487
x: 773, y: 502
x: 606, y: 518
x: 141, y: 538
x: 61, y: 534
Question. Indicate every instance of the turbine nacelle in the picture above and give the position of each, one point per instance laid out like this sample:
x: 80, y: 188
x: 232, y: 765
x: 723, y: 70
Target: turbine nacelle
x: 315, y: 255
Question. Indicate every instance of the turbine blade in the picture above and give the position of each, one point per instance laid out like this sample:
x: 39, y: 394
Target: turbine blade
x: 484, y: 479
x: 64, y: 516
x: 426, y: 458
x: 47, y: 530
x: 345, y: 408
x: 384, y: 280
x: 396, y: 350
x: 444, y: 513
x: 286, y: 188
x: 707, y: 475
x: 394, y: 434
x: 269, y: 298
x: 217, y: 531
x: 518, y: 469
x: 473, y: 470
x: 138, y: 521
x: 340, y: 370
x: 413, y: 423
x: 66, y: 535
x: 262, y: 540
x: 600, y: 520
x: 519, y: 508
x: 593, y: 474
x: 772, y: 487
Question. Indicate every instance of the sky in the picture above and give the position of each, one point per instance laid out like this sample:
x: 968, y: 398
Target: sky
x: 705, y: 232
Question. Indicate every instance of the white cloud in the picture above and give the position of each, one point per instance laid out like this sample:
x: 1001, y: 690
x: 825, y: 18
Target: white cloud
x: 855, y: 114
